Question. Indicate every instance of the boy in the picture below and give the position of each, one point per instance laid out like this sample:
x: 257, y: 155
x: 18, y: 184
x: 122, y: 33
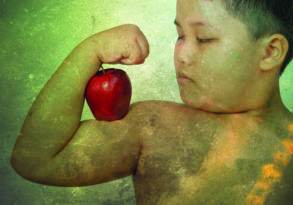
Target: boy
x: 229, y: 143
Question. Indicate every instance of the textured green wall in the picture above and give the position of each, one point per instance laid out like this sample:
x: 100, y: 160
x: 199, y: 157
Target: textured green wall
x: 35, y: 36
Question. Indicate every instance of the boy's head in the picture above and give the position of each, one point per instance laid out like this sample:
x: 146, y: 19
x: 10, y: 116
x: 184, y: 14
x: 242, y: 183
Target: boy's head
x: 264, y: 18
x: 233, y: 51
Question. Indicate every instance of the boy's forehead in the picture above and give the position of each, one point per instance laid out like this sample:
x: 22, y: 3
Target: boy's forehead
x: 201, y: 8
x: 210, y: 12
x: 193, y: 4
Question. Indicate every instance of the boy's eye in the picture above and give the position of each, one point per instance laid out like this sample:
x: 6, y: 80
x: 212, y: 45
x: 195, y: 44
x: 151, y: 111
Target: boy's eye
x: 202, y: 40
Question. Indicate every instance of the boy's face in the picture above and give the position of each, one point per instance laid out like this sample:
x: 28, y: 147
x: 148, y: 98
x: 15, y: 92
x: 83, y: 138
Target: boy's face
x: 223, y: 69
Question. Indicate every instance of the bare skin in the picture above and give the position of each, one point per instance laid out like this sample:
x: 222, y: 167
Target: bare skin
x: 222, y: 146
x: 212, y: 159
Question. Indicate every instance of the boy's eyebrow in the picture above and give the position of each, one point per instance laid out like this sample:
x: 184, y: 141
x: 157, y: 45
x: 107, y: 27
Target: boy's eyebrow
x: 193, y: 24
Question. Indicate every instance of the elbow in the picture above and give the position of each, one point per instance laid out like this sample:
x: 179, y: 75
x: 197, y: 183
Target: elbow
x: 18, y: 166
x: 23, y: 168
x: 28, y: 170
x: 14, y: 163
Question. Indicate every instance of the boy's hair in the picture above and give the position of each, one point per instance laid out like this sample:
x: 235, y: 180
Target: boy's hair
x: 264, y: 18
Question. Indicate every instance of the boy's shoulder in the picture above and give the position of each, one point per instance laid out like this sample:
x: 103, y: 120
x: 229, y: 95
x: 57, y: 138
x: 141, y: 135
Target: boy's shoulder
x: 162, y: 114
x: 165, y: 119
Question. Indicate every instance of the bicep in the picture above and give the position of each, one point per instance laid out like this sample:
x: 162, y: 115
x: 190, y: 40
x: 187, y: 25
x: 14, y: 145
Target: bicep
x: 98, y: 152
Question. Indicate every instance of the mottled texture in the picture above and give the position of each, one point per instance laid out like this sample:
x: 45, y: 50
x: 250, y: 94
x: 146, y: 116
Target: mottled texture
x: 36, y: 36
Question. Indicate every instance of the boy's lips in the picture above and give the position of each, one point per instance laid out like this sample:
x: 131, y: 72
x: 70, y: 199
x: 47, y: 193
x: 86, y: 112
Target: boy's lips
x: 183, y: 78
x: 182, y: 75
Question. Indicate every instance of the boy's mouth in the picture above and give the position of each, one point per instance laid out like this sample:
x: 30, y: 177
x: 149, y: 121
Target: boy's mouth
x: 183, y: 78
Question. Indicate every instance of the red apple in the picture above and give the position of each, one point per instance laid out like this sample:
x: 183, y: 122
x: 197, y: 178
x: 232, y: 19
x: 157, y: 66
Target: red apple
x: 108, y: 94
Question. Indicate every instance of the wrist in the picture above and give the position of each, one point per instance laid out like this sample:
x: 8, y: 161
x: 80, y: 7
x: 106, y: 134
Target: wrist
x: 85, y: 58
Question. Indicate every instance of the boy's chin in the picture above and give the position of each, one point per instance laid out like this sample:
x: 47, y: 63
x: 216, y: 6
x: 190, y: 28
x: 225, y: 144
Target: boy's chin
x: 206, y: 104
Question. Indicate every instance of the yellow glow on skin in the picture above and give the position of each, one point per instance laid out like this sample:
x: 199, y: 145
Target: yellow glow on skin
x: 288, y: 143
x: 262, y: 185
x: 290, y: 127
x: 271, y: 171
x: 255, y: 200
x: 281, y: 158
x: 271, y: 174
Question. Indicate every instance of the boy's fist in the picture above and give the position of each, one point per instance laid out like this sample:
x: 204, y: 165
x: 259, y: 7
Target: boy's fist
x: 124, y: 44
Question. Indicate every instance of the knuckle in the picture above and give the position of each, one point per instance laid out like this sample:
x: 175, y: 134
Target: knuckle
x: 132, y: 26
x: 145, y: 50
x: 146, y: 54
x: 134, y: 29
x: 138, y: 58
x: 135, y: 58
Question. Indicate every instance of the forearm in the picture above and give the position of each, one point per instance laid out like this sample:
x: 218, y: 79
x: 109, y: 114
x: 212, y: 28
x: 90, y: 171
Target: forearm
x: 56, y: 112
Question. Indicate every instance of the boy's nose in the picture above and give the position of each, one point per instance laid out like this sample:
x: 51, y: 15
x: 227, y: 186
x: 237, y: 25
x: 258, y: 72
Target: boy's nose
x: 185, y: 55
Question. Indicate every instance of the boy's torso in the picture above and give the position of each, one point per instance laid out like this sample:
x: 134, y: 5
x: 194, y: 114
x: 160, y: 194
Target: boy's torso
x: 196, y: 158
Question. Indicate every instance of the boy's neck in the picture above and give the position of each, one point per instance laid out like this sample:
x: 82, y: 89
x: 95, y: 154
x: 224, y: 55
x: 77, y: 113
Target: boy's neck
x: 272, y: 114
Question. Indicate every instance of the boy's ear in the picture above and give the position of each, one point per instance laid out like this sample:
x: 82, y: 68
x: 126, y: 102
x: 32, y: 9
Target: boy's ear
x: 275, y: 49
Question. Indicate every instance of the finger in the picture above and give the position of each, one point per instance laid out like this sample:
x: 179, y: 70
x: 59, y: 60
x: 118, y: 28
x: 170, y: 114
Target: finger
x: 135, y: 56
x: 142, y: 51
x: 144, y: 45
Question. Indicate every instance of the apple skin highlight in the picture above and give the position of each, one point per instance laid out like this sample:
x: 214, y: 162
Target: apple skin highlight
x: 108, y: 94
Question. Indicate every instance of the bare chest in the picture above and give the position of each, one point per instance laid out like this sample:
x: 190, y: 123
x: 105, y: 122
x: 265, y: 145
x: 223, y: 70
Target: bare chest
x: 187, y: 167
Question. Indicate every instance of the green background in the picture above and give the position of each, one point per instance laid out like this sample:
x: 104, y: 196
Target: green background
x: 35, y: 37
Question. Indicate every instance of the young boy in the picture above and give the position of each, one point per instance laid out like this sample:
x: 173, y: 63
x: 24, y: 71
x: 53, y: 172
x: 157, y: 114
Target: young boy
x: 231, y: 142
